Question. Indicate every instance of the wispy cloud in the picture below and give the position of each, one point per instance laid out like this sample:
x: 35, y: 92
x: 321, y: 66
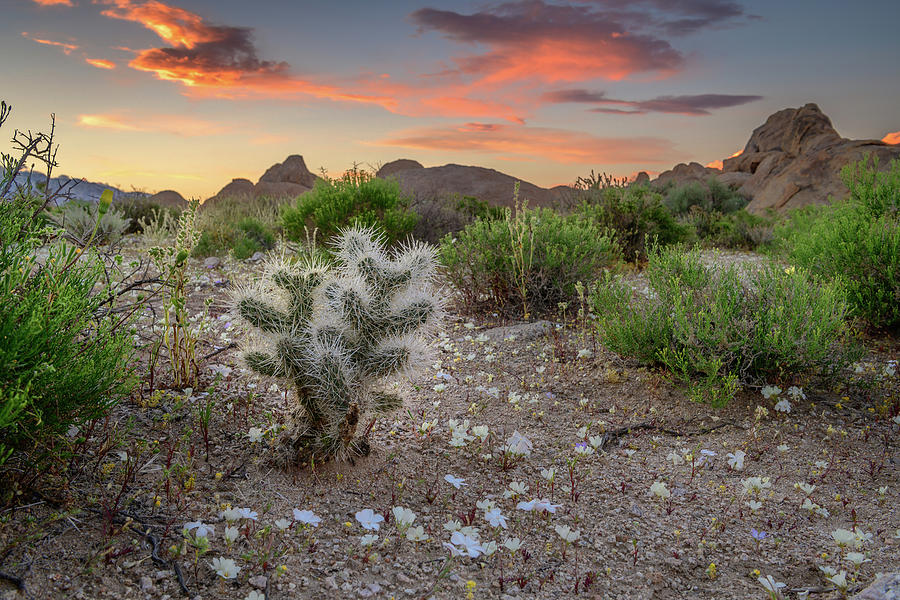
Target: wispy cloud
x: 100, y: 63
x: 67, y: 48
x: 892, y: 138
x: 216, y: 59
x: 698, y: 104
x: 155, y: 123
x: 556, y: 145
x: 54, y: 2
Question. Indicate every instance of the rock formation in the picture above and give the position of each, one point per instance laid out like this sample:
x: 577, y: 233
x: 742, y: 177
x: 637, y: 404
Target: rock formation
x: 286, y: 180
x: 168, y: 198
x: 488, y: 185
x: 794, y: 159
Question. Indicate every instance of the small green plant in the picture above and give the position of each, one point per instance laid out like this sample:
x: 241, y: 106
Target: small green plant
x: 856, y: 240
x: 158, y: 226
x: 338, y: 333
x: 356, y: 200
x: 84, y: 225
x: 179, y: 337
x: 721, y: 329
x: 530, y: 263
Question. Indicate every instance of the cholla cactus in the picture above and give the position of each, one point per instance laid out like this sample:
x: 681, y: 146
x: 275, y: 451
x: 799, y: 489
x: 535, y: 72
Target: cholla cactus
x: 338, y: 333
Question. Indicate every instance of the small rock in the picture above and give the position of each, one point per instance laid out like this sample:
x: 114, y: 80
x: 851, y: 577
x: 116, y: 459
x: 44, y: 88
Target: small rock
x: 212, y: 262
x: 886, y: 587
x: 259, y: 582
x: 330, y: 583
x: 257, y: 256
x: 146, y: 584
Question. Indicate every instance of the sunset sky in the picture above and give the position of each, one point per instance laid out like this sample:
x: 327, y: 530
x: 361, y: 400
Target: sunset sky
x: 188, y: 94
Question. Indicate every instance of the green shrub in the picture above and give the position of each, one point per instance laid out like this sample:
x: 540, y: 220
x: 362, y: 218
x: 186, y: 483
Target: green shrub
x: 63, y: 360
x: 635, y: 214
x: 357, y: 200
x: 140, y: 212
x: 738, y: 230
x: 712, y: 196
x: 720, y: 329
x: 79, y: 220
x: 439, y: 215
x: 562, y: 251
x: 243, y: 239
x: 856, y: 240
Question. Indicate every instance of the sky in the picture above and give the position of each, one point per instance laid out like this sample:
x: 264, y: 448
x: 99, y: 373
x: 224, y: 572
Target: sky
x: 188, y: 94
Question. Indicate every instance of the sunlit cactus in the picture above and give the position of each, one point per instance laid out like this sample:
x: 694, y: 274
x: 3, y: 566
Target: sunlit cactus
x: 339, y: 332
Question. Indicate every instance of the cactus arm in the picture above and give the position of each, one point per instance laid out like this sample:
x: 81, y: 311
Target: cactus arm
x: 264, y: 364
x: 409, y: 318
x: 383, y: 403
x: 262, y: 315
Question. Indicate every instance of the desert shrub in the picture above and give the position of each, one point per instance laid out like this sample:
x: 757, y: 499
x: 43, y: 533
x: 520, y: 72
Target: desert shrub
x: 738, y: 230
x: 636, y: 214
x: 63, y: 360
x: 142, y: 213
x: 338, y: 333
x: 559, y: 251
x: 357, y: 200
x: 711, y: 196
x: 242, y: 239
x: 719, y: 329
x: 856, y: 240
x: 79, y: 220
x: 439, y: 215
x: 161, y: 225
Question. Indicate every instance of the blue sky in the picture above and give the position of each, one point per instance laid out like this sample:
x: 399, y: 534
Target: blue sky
x: 187, y: 94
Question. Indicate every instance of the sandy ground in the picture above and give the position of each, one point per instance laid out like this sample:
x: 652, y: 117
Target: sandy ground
x: 116, y: 529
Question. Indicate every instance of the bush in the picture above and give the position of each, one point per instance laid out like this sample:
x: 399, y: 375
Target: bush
x: 355, y: 200
x: 560, y: 252
x: 737, y: 230
x: 140, y: 212
x: 713, y: 196
x: 79, y: 220
x: 718, y: 330
x: 243, y: 239
x: 856, y: 240
x: 440, y: 215
x: 636, y: 214
x: 336, y: 334
x: 63, y: 360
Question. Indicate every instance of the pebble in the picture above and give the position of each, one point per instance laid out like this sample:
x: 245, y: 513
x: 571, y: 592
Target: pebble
x: 212, y: 262
x: 259, y: 582
x: 146, y: 584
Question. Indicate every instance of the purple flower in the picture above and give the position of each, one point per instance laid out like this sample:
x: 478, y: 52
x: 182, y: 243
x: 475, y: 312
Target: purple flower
x: 758, y: 535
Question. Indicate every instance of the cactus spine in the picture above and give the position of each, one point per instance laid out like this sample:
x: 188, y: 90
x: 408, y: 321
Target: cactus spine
x: 337, y: 333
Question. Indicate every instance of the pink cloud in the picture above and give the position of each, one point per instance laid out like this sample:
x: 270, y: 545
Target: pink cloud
x: 555, y: 145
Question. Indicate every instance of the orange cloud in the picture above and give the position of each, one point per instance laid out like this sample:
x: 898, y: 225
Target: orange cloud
x: 216, y: 60
x: 54, y: 2
x: 100, y: 63
x: 169, y: 124
x: 529, y: 41
x: 556, y: 145
x: 66, y: 48
x: 892, y: 138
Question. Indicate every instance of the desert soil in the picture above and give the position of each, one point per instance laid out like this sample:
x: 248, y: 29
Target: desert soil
x: 557, y: 390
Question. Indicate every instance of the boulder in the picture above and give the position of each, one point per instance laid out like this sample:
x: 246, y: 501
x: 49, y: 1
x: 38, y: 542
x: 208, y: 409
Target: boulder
x: 792, y: 160
x: 292, y: 170
x: 285, y: 180
x: 488, y: 185
x: 403, y: 164
x: 167, y: 198
x: 641, y: 178
x: 682, y: 174
x: 238, y: 188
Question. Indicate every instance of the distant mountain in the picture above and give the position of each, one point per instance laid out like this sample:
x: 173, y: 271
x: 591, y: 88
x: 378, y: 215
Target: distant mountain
x: 85, y: 191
